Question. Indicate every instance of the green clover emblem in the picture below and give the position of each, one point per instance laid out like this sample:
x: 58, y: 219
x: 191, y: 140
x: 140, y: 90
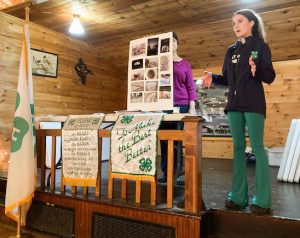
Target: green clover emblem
x: 21, y: 128
x: 95, y: 121
x: 126, y: 119
x: 71, y: 122
x: 254, y: 54
x: 145, y: 164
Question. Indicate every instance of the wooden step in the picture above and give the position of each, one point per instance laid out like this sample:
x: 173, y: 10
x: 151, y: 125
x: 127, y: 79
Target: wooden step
x: 230, y: 224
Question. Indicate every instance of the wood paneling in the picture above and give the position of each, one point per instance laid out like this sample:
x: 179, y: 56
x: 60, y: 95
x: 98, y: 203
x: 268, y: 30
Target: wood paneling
x: 283, y: 100
x: 104, y: 91
x: 9, y: 4
x: 185, y: 225
x: 205, y: 44
x: 204, y: 27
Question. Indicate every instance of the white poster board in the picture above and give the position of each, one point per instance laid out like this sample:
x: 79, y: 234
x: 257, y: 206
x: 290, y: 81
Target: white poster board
x: 80, y: 150
x: 150, y: 73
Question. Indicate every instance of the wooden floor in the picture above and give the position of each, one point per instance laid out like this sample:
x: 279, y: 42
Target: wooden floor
x: 10, y: 231
x: 216, y: 183
x: 217, y: 176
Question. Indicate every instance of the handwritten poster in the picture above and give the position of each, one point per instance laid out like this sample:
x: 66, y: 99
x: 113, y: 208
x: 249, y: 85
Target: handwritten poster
x: 80, y: 149
x: 150, y: 73
x: 134, y: 144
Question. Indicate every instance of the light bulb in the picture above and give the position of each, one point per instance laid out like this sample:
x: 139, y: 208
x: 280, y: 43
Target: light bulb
x: 76, y: 27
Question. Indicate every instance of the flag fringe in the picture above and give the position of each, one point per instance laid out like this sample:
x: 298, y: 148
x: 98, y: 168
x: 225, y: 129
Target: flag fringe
x: 149, y: 178
x: 85, y: 182
x: 27, y: 200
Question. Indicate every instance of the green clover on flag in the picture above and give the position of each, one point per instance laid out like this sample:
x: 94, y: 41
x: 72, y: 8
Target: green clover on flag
x: 145, y: 164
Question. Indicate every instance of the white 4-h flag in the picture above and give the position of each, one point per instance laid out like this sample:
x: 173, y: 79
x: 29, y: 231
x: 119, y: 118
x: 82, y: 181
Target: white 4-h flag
x: 21, y: 180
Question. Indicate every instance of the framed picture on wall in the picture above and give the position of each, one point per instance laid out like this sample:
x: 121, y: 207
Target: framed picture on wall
x: 44, y: 63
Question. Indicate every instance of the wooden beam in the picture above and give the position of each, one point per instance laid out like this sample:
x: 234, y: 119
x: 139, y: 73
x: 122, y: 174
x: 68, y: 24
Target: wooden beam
x: 8, y: 6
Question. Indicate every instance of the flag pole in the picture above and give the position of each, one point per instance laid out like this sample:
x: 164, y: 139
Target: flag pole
x: 19, y: 222
x: 16, y: 149
x: 27, y: 9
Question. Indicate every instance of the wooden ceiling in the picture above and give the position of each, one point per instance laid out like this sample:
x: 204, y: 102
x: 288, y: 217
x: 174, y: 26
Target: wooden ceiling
x: 203, y: 26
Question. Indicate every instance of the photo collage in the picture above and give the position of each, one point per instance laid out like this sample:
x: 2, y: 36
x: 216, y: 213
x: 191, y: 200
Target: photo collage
x: 150, y: 73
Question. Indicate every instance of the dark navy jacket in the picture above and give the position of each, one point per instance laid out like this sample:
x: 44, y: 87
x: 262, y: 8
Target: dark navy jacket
x: 246, y: 93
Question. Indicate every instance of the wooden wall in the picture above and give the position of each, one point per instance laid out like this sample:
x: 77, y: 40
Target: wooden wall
x: 186, y: 225
x: 205, y: 44
x: 283, y: 100
x: 104, y: 91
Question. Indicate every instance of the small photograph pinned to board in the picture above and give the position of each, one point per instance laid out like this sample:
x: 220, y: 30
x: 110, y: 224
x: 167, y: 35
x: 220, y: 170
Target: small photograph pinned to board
x: 138, y: 49
x: 152, y: 48
x: 151, y: 74
x: 137, y: 64
x: 165, y: 45
x: 137, y: 75
x: 44, y: 63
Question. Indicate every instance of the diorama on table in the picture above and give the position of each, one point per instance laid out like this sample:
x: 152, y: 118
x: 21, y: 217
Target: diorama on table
x: 211, y: 104
x: 150, y: 73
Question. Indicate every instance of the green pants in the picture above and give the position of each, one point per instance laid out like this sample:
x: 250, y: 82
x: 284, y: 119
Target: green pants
x: 239, y: 188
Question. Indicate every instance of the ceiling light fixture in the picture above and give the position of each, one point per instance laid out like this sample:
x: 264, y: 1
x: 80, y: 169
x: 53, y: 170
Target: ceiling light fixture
x: 76, y: 27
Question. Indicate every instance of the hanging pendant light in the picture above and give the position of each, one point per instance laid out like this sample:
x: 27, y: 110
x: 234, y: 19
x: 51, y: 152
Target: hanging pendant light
x: 76, y: 27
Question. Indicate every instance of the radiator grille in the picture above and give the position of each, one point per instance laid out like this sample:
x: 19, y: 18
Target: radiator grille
x: 52, y: 219
x: 105, y: 226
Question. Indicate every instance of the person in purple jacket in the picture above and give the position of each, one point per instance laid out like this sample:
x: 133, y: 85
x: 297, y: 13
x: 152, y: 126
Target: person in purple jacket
x: 184, y: 95
x: 247, y: 65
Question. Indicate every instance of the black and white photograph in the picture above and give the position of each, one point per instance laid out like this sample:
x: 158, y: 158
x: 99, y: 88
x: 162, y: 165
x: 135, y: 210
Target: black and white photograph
x: 164, y: 63
x: 136, y: 97
x: 165, y: 45
x: 151, y: 74
x: 151, y: 86
x: 150, y: 97
x: 151, y: 62
x: 138, y: 49
x: 137, y: 86
x: 137, y: 64
x: 137, y: 75
x: 152, y: 48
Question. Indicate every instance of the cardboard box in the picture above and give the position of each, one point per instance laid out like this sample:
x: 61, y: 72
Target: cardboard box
x: 275, y: 155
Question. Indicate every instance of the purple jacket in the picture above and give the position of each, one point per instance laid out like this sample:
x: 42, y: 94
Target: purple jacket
x: 183, y: 83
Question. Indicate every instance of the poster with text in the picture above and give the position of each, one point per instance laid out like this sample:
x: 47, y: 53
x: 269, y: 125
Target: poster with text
x: 134, y: 145
x: 150, y: 73
x: 80, y: 150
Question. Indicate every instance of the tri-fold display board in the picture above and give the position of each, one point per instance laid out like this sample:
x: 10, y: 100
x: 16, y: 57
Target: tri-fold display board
x: 289, y: 170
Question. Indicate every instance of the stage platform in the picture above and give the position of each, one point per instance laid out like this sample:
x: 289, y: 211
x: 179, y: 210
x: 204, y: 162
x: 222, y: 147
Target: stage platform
x: 216, y: 221
x: 216, y: 180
